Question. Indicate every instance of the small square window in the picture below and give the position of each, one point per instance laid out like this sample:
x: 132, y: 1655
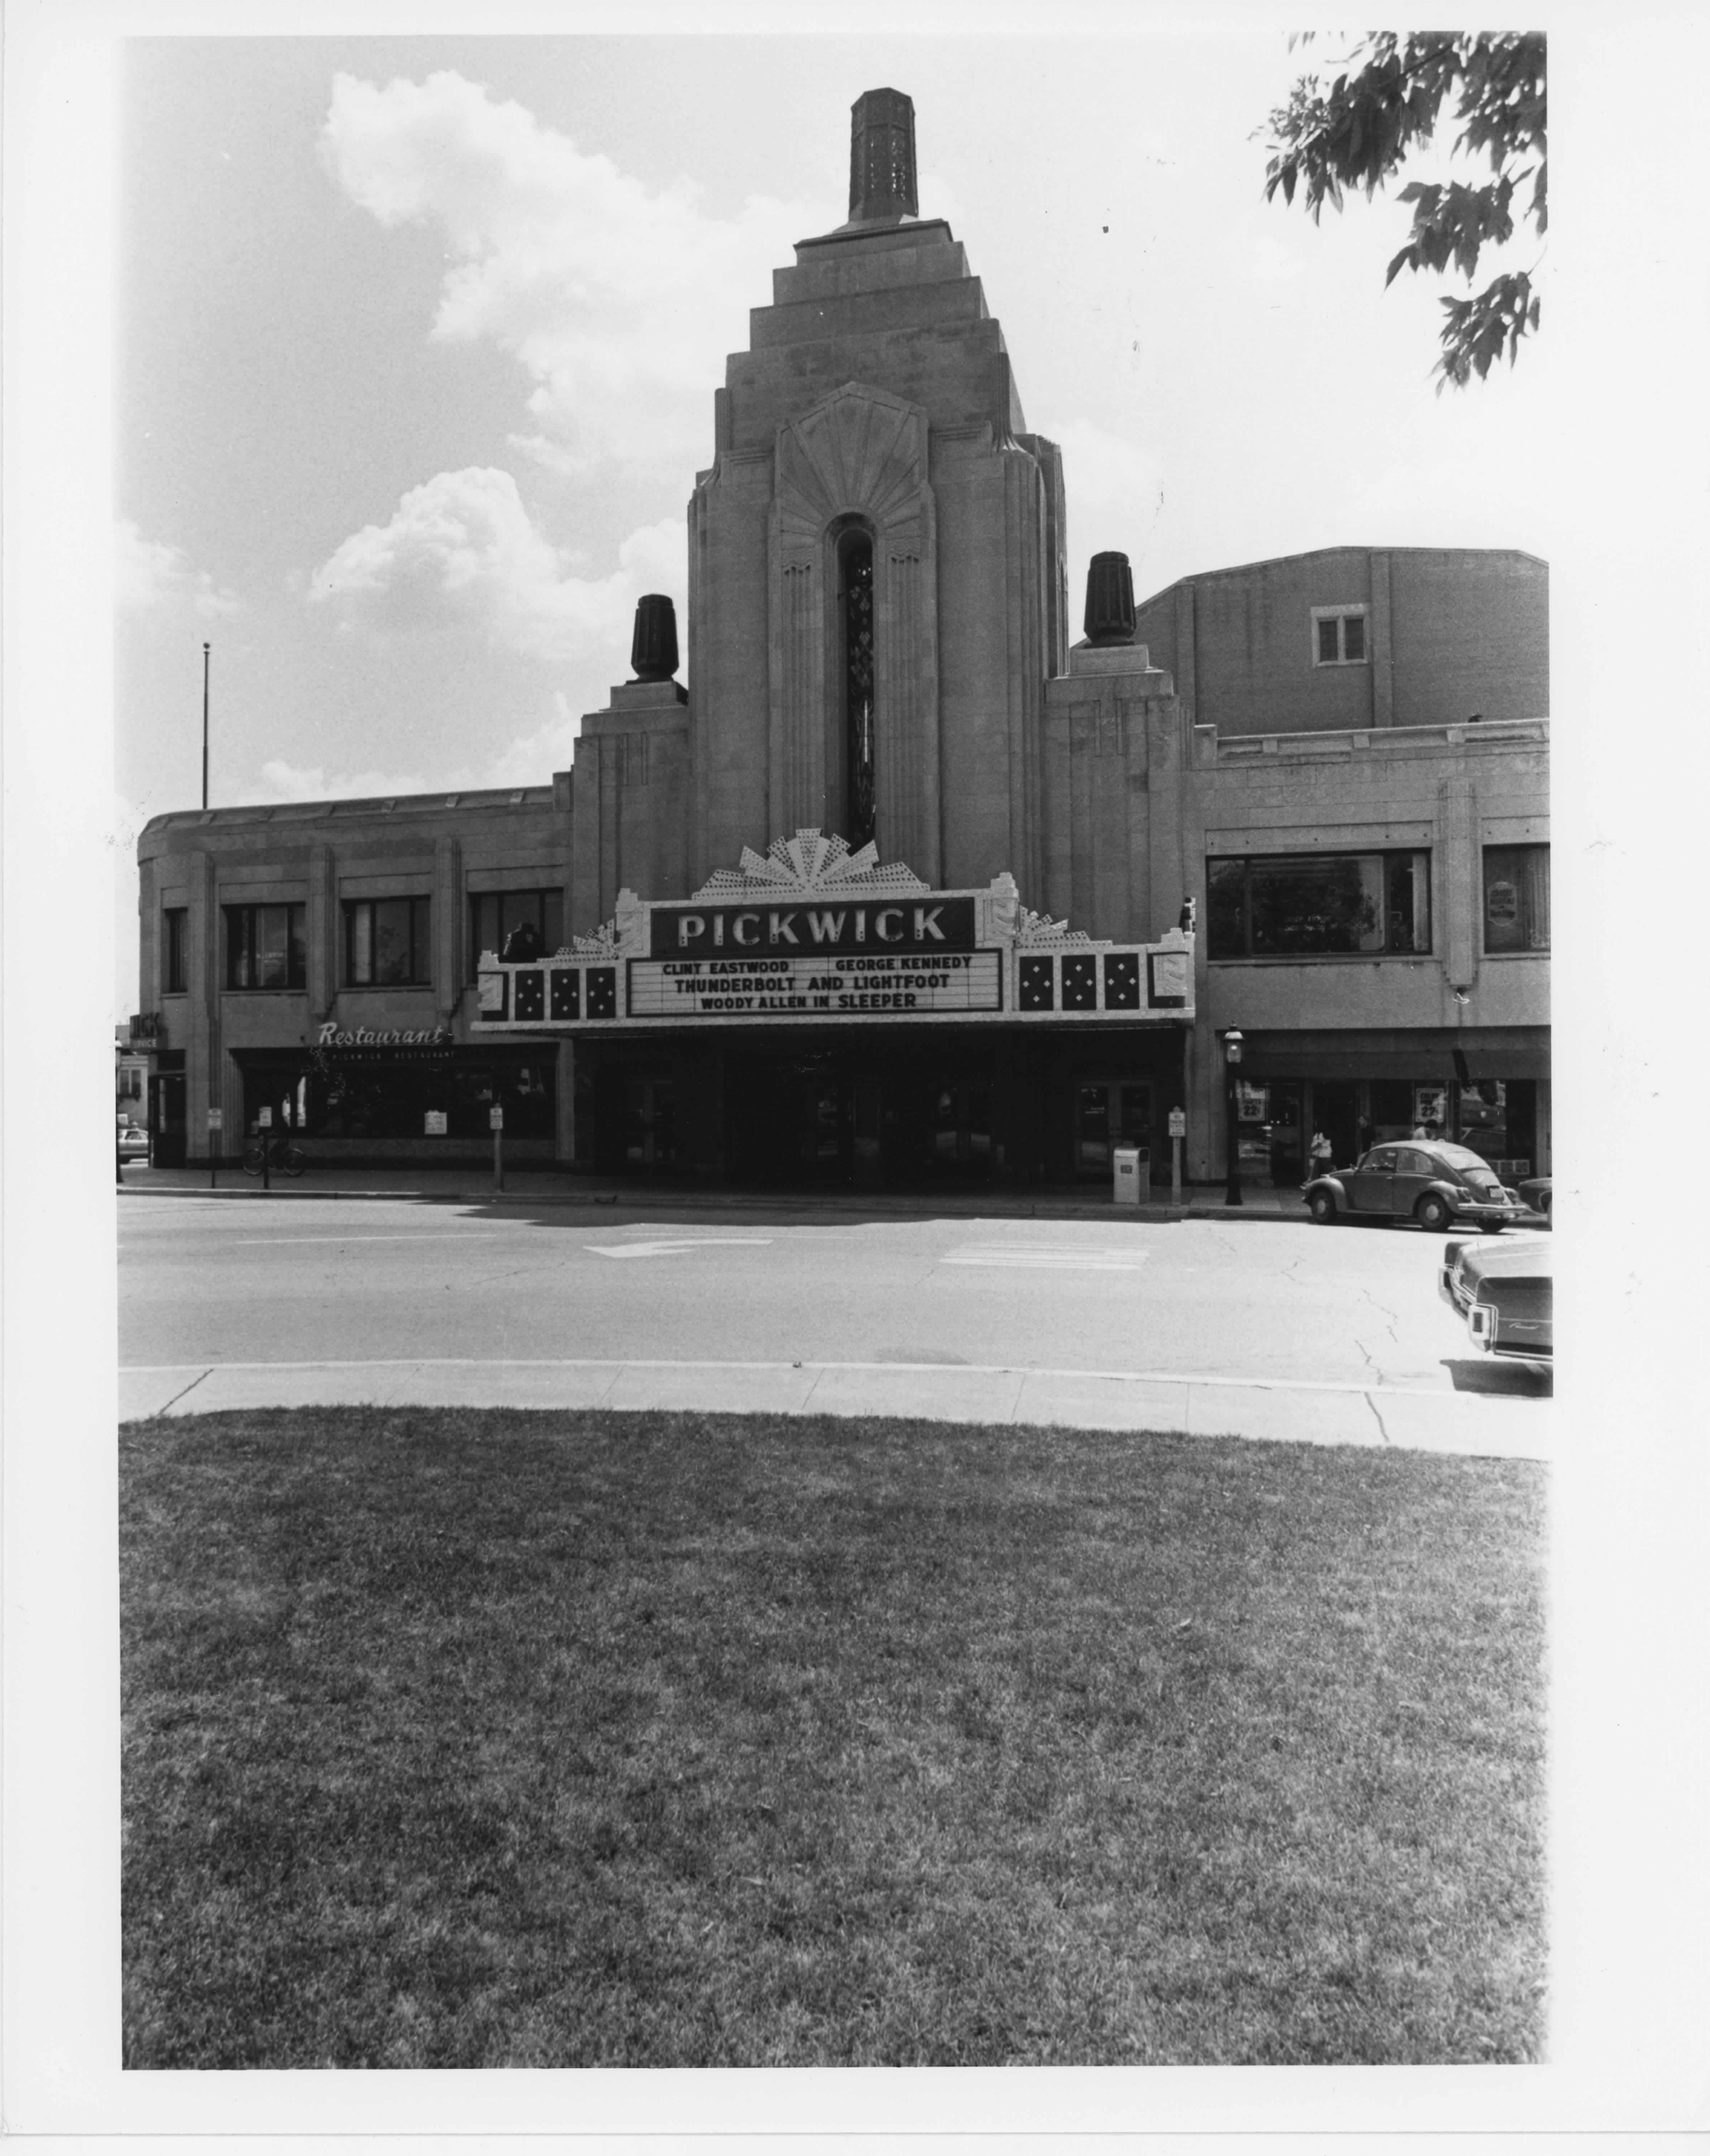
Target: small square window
x: 1339, y: 636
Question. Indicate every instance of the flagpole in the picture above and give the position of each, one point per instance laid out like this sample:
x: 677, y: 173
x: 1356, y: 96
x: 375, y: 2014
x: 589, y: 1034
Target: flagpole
x: 204, y: 725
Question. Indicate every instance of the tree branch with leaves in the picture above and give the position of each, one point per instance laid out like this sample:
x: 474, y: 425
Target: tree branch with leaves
x: 1359, y: 130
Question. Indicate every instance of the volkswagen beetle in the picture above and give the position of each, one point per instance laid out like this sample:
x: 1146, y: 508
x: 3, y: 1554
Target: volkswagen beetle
x: 1419, y: 1179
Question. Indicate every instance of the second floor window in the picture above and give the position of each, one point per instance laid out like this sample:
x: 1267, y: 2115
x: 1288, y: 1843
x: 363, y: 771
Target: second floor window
x: 1517, y: 898
x: 508, y: 922
x: 174, y: 963
x: 387, y: 942
x: 1319, y: 905
x: 265, y: 947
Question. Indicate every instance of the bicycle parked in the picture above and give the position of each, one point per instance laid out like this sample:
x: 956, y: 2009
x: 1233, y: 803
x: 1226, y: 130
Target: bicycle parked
x: 277, y: 1154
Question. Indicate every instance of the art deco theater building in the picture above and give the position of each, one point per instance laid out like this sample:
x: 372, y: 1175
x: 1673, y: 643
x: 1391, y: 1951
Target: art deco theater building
x: 906, y: 880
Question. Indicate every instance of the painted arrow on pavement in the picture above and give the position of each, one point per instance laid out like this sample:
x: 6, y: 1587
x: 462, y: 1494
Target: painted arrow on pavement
x: 670, y: 1249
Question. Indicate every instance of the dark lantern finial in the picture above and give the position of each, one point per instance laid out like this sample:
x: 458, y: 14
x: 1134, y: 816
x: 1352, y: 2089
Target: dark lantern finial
x: 653, y: 649
x: 1110, y: 601
x: 881, y: 184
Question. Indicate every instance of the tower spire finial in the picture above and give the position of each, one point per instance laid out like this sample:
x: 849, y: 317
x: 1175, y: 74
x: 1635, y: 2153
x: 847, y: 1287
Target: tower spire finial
x: 881, y: 184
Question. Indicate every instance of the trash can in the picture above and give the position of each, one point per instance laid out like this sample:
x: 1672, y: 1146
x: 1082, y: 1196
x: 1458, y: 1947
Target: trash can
x: 1131, y: 1171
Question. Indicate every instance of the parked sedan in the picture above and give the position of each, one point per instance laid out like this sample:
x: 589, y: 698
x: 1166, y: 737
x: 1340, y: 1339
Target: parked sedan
x: 133, y: 1141
x: 1505, y: 1295
x: 1433, y: 1183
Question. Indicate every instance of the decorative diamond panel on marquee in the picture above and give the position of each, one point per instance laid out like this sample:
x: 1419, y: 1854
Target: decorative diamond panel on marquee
x: 809, y: 933
x: 1038, y: 978
x: 1122, y: 980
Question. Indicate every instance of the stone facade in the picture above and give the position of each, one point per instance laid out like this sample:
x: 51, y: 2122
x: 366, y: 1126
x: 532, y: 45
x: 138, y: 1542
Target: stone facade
x: 1351, y: 703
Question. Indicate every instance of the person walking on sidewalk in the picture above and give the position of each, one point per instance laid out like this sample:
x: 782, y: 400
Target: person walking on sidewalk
x: 1319, y: 1155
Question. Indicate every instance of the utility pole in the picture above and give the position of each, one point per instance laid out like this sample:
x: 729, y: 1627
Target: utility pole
x: 206, y: 649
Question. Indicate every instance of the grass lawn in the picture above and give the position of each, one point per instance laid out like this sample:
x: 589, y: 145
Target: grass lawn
x: 463, y: 1738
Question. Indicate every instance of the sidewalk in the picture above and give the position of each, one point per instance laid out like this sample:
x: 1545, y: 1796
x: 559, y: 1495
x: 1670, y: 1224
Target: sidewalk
x: 1514, y: 1425
x: 471, y: 1186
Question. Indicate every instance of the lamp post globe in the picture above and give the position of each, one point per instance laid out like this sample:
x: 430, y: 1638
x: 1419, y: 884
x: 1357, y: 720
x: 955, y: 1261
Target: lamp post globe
x: 1232, y: 1048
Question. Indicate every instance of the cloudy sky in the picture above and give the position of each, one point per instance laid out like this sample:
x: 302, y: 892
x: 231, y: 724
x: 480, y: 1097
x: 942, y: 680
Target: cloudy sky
x: 418, y: 339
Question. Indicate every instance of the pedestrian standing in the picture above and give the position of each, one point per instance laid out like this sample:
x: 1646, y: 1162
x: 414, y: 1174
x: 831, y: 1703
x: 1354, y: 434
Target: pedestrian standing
x: 1320, y: 1154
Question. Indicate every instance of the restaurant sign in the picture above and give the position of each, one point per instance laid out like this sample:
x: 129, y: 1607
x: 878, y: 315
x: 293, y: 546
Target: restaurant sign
x: 811, y: 933
x: 336, y: 1044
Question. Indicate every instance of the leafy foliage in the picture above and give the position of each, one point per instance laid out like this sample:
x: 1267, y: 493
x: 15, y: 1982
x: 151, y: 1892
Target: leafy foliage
x: 1360, y: 130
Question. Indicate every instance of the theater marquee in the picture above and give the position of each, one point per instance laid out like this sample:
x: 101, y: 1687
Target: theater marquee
x: 811, y: 933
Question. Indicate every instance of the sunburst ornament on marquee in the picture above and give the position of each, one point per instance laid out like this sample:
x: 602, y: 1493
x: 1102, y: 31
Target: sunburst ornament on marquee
x: 811, y: 864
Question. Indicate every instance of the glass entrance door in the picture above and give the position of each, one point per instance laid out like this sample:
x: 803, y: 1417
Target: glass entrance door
x: 1109, y: 1113
x: 962, y: 1128
x: 650, y: 1123
x: 167, y: 1120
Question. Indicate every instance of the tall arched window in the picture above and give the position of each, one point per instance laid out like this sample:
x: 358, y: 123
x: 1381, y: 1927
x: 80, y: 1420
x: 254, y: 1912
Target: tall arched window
x: 855, y: 600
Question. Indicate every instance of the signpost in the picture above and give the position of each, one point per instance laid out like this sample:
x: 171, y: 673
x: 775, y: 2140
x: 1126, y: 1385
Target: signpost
x: 216, y: 1122
x: 1178, y: 1131
x: 495, y: 1116
x: 265, y: 1123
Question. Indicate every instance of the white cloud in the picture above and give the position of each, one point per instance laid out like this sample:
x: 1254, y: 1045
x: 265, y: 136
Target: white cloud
x: 619, y: 301
x: 529, y: 759
x: 147, y: 574
x: 462, y: 551
x: 309, y: 783
x: 532, y: 757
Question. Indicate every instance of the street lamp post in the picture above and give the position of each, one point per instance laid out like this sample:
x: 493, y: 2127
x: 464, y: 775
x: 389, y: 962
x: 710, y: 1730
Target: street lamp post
x: 1231, y: 1116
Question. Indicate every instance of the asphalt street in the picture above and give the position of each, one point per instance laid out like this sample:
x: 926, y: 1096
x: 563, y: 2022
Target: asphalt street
x: 730, y: 1309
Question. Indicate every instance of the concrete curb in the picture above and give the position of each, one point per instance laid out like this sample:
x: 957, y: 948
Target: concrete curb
x: 990, y: 1205
x: 989, y: 1208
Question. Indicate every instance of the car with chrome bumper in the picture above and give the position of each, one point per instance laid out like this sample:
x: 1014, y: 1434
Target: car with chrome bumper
x: 1438, y: 1185
x: 1504, y: 1293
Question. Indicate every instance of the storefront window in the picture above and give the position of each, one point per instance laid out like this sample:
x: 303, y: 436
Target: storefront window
x: 1498, y: 1118
x: 265, y: 947
x: 1517, y: 898
x: 1312, y: 906
x: 496, y: 917
x: 380, y: 1096
x: 388, y: 943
